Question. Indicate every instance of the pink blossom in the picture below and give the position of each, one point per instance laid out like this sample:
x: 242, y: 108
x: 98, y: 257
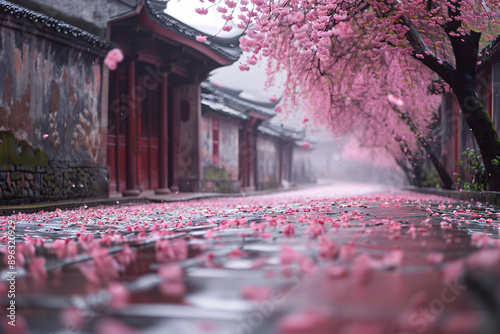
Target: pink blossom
x: 119, y: 295
x: 327, y: 248
x: 256, y: 293
x: 210, y: 234
x: 451, y: 270
x: 173, y: 284
x: 288, y: 255
x: 296, y: 16
x: 252, y: 60
x: 395, y: 100
x: 37, y: 272
x: 65, y: 248
x: 362, y: 269
x: 230, y: 3
x: 310, y: 321
x: 485, y: 259
x: 171, y: 272
x: 347, y: 251
x: 201, y: 38
x: 244, y: 67
x: 342, y: 29
x: 126, y: 255
x: 335, y: 271
x: 112, y: 326
x: 435, y: 258
x: 112, y: 59
x: 21, y: 327
x: 201, y: 11
x: 73, y: 318
x: 288, y: 230
x: 306, y: 145
x: 273, y: 98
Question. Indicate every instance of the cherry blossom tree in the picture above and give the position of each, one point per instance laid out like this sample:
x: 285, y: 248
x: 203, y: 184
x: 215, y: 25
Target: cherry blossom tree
x: 323, y: 45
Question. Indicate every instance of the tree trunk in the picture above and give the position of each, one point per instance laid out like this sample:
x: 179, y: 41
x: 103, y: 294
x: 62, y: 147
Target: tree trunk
x: 479, y: 122
x: 408, y: 173
x: 438, y: 165
x: 436, y: 162
x: 442, y: 172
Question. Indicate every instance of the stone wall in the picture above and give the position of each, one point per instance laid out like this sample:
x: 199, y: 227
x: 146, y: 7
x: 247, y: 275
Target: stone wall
x: 51, y: 122
x: 58, y: 181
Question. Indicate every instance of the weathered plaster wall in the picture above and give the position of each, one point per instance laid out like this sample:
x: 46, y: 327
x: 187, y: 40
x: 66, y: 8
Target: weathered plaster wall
x: 50, y: 101
x: 222, y: 177
x: 228, y: 147
x: 267, y: 162
x: 206, y: 137
x: 301, y: 165
x: 188, y: 108
x: 50, y: 96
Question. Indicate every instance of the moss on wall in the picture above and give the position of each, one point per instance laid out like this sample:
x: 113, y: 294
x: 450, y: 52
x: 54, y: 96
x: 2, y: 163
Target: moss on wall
x: 14, y: 151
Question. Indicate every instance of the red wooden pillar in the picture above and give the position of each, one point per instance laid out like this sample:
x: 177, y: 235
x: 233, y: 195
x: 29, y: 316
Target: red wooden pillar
x: 163, y: 140
x: 131, y: 139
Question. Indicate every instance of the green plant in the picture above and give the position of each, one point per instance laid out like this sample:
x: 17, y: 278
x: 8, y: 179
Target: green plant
x: 473, y: 164
x: 429, y: 177
x: 216, y: 173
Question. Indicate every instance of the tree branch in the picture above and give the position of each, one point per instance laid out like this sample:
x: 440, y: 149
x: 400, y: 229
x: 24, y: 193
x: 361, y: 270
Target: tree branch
x: 441, y: 67
x: 465, y: 47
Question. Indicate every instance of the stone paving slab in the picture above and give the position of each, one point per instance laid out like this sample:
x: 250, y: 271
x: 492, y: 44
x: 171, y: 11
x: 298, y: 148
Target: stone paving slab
x: 343, y: 258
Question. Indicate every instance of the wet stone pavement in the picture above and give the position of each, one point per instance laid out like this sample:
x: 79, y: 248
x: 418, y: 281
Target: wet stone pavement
x: 345, y: 259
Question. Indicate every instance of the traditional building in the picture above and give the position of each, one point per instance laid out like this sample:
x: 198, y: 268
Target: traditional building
x: 68, y: 122
x: 241, y: 149
x: 456, y: 136
x: 154, y: 99
x: 71, y: 128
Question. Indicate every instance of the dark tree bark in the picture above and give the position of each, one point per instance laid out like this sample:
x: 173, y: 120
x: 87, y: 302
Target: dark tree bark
x: 479, y: 122
x: 462, y: 79
x: 447, y: 181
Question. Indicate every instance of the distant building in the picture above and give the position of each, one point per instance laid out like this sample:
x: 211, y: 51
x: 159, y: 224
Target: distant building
x: 241, y: 150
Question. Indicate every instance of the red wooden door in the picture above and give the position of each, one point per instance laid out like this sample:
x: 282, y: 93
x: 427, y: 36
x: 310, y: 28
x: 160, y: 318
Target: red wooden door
x: 117, y: 114
x: 148, y: 164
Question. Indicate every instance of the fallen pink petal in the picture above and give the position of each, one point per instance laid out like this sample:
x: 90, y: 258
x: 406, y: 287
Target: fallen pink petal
x: 250, y: 166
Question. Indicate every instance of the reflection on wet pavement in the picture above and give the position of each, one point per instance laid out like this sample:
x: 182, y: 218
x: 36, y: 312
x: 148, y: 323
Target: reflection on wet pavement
x: 332, y: 259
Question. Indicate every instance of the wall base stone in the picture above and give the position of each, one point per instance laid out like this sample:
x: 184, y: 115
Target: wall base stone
x: 58, y: 181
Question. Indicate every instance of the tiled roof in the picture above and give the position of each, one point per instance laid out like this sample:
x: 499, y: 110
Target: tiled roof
x: 226, y: 47
x: 211, y: 102
x: 235, y: 102
x: 48, y: 22
x: 281, y: 131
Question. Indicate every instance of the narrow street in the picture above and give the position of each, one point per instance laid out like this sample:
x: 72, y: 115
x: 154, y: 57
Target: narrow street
x: 339, y: 258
